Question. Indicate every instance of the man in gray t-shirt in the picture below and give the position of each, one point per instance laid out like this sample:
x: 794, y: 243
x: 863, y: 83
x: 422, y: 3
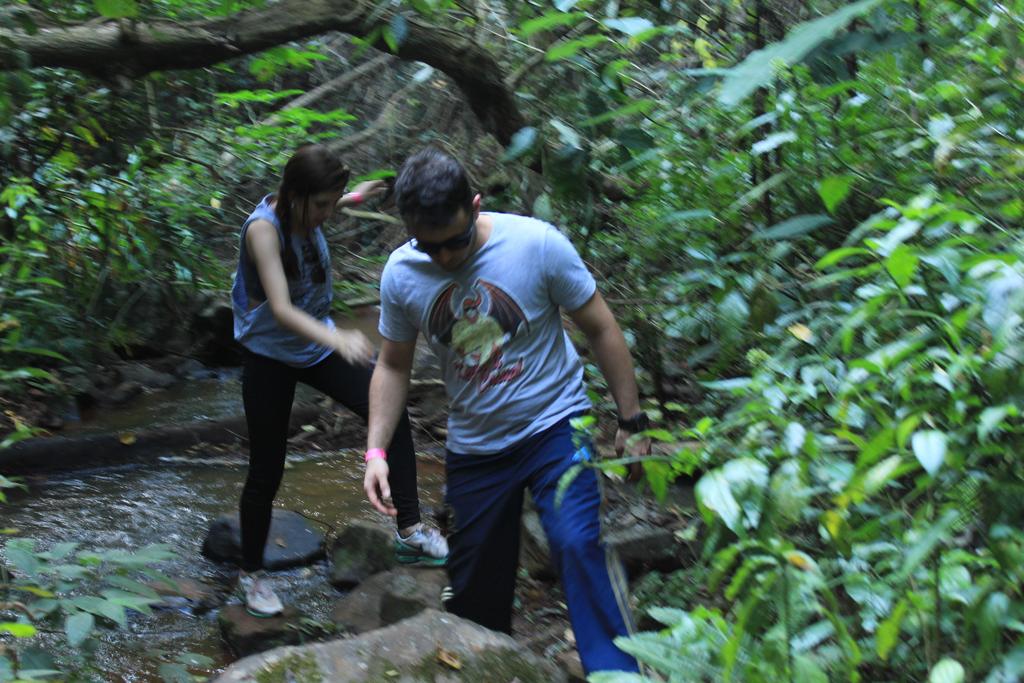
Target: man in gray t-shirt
x: 487, y: 292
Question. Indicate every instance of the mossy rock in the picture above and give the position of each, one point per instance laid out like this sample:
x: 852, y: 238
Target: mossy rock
x: 432, y: 647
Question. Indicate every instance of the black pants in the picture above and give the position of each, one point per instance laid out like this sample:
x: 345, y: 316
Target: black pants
x: 268, y: 389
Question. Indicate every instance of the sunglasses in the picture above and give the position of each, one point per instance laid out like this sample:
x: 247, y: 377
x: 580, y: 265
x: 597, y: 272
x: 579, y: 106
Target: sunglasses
x: 460, y: 241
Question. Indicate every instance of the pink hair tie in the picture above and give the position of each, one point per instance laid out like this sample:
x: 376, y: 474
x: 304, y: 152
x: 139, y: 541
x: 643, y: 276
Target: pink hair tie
x: 375, y: 453
x: 355, y: 197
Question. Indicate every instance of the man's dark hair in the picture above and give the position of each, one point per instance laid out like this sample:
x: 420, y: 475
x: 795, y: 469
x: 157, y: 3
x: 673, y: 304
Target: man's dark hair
x: 431, y: 188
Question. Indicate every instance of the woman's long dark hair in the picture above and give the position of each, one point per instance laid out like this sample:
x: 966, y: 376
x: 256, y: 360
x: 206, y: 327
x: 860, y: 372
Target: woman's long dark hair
x: 312, y: 169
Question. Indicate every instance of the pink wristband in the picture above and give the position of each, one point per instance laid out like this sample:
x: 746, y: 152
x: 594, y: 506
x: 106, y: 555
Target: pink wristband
x: 375, y: 453
x: 355, y: 197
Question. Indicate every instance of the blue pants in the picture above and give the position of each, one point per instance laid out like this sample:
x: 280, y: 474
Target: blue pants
x: 485, y: 494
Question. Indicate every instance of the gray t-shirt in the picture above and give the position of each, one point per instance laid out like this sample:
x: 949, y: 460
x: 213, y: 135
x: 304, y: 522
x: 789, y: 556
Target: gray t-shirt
x: 509, y: 368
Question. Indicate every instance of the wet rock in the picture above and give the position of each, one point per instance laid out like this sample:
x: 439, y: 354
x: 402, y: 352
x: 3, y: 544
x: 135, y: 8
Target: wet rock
x: 145, y: 376
x: 432, y: 647
x: 361, y: 550
x: 190, y: 368
x: 292, y: 541
x: 246, y: 634
x: 389, y: 597
x: 181, y: 592
x: 122, y: 393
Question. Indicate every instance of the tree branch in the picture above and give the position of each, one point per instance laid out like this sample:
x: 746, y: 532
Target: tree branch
x: 107, y: 49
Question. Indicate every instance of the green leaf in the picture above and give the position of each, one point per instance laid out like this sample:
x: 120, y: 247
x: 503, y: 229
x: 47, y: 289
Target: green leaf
x: 771, y: 142
x: 794, y: 437
x: 78, y: 627
x: 522, y: 142
x: 631, y: 26
x: 930, y: 449
x: 17, y: 630
x: 926, y: 542
x: 902, y: 264
x: 947, y: 671
x: 889, y: 630
x: 834, y: 189
x: 794, y: 227
x: 565, y: 482
x: 658, y: 473
x: 568, y: 48
x: 548, y: 21
x: 836, y: 255
x: 117, y: 9
x: 758, y: 69
x: 735, y: 492
x: 133, y: 586
x: 991, y: 418
x: 879, y: 475
x: 637, y: 106
x: 732, y: 384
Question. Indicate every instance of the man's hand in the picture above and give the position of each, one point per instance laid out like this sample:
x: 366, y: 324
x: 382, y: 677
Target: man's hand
x: 641, y: 448
x: 375, y: 484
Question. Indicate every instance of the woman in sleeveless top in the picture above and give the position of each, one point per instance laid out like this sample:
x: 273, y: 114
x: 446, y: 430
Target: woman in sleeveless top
x: 282, y: 301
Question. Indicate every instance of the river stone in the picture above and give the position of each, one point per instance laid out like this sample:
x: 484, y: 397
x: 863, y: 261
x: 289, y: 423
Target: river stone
x: 292, y: 541
x: 145, y: 376
x: 246, y: 634
x: 432, y: 647
x: 182, y: 592
x: 389, y: 597
x: 361, y: 550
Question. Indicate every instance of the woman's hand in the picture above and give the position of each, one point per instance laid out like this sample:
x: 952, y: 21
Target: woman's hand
x: 371, y: 188
x: 353, y: 346
x: 375, y: 484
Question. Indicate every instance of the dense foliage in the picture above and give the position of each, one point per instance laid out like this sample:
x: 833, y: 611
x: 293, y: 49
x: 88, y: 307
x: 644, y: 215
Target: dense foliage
x: 807, y: 216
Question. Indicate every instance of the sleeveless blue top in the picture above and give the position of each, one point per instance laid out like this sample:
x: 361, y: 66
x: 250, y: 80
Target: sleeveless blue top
x: 256, y: 329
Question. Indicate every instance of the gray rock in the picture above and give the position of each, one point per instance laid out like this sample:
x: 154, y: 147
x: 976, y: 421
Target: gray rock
x: 641, y: 548
x: 389, y: 597
x: 246, y: 634
x: 145, y: 376
x: 292, y: 541
x: 189, y: 593
x: 122, y: 393
x: 432, y: 647
x: 361, y: 550
x: 190, y: 368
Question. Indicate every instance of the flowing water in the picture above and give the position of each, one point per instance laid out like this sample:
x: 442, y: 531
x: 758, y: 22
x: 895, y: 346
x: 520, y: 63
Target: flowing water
x: 172, y: 499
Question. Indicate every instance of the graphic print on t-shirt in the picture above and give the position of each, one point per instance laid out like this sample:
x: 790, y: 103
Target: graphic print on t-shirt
x: 476, y: 324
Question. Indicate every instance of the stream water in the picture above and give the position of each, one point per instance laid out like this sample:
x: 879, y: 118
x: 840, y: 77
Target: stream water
x: 172, y: 499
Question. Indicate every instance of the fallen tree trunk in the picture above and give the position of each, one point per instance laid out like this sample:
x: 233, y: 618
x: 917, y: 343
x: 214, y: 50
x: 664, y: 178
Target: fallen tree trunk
x: 89, y: 450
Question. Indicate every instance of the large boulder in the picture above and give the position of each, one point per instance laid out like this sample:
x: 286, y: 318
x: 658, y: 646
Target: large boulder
x: 389, y: 597
x: 432, y: 647
x: 246, y: 634
x: 361, y: 550
x: 292, y: 541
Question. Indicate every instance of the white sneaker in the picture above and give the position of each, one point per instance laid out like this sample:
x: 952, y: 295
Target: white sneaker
x: 425, y: 547
x: 260, y: 599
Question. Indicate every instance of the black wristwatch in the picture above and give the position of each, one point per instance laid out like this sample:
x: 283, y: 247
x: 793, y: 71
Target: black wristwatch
x: 636, y: 424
